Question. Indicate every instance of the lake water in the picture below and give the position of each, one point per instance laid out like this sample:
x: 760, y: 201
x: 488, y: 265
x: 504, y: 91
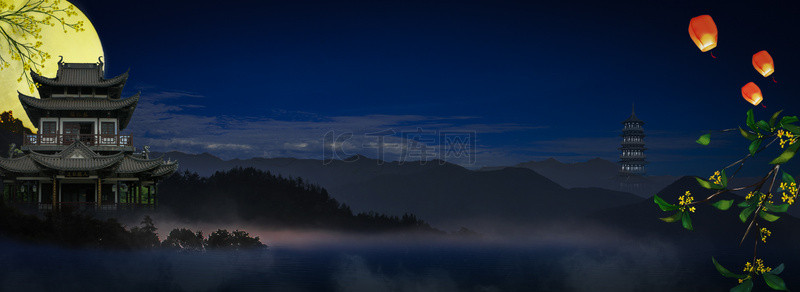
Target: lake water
x: 417, y: 265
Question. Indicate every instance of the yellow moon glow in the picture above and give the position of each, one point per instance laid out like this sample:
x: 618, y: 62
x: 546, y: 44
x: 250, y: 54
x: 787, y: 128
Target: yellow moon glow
x: 76, y: 47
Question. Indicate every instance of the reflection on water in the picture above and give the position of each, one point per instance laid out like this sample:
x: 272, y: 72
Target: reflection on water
x: 635, y: 266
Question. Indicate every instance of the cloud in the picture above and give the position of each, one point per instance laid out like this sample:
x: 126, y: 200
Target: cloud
x: 162, y: 122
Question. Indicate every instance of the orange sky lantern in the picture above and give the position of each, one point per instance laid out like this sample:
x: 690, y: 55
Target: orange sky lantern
x: 763, y: 63
x: 752, y: 93
x: 703, y: 32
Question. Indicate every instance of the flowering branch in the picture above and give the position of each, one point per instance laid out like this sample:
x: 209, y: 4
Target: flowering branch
x: 22, y: 34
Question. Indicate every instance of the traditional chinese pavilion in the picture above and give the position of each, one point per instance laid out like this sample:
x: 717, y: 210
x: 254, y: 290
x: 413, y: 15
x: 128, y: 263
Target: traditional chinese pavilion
x: 78, y: 157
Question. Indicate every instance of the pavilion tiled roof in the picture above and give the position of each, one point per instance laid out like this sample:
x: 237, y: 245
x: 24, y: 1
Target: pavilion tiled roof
x: 135, y: 165
x: 166, y: 169
x: 22, y: 164
x: 80, y: 74
x: 79, y: 157
x: 80, y: 103
x: 34, y: 106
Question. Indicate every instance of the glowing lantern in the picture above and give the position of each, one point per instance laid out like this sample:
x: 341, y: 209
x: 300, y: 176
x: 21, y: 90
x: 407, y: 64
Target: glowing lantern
x: 752, y: 93
x: 763, y: 63
x: 703, y: 32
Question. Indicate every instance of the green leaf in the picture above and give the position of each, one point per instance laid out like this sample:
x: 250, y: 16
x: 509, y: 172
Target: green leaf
x: 747, y: 134
x: 708, y: 185
x: 774, y: 282
x: 792, y: 128
x: 746, y: 213
x: 777, y: 270
x: 725, y: 273
x: 751, y: 121
x: 787, y: 178
x: 788, y: 120
x: 763, y: 125
x: 767, y: 216
x: 774, y: 118
x: 672, y: 218
x: 779, y: 208
x: 723, y: 204
x: 686, y: 220
x: 754, y: 146
x: 786, y: 155
x: 704, y: 140
x: 745, y: 286
x: 744, y: 204
x: 663, y: 204
x: 723, y: 179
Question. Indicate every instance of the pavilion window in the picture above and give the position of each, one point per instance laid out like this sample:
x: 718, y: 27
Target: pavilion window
x: 73, y: 90
x: 48, y: 127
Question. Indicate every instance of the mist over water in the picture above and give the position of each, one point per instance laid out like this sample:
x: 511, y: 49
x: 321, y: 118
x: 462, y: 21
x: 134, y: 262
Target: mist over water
x: 552, y: 258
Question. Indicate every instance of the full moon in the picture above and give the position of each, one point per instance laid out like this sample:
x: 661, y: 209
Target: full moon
x: 75, y: 47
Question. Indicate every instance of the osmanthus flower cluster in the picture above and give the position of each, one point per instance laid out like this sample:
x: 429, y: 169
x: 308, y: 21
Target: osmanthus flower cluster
x: 758, y: 208
x: 21, y: 32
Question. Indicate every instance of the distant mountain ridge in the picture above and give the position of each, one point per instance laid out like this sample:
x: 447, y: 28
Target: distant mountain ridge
x: 444, y: 194
x: 596, y: 172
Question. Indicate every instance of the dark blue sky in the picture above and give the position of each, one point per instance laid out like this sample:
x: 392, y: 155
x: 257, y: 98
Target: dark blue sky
x: 532, y: 80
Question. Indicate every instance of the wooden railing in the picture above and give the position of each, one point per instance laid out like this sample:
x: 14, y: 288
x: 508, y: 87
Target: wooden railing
x: 68, y: 139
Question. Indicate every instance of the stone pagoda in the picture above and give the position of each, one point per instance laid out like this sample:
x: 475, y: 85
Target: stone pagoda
x: 632, y: 159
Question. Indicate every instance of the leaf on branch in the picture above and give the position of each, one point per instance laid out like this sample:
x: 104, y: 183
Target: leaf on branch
x: 704, y: 140
x: 774, y: 282
x: 787, y: 178
x: 774, y: 118
x: 747, y: 134
x: 723, y: 204
x: 723, y: 179
x: 751, y: 121
x: 745, y: 286
x: 777, y: 270
x: 786, y: 155
x: 763, y: 125
x: 754, y: 146
x: 767, y: 216
x: 672, y: 218
x: 792, y: 128
x: 779, y: 208
x: 788, y: 120
x: 663, y: 204
x: 708, y: 185
x: 747, y: 212
x: 686, y: 220
x: 725, y: 273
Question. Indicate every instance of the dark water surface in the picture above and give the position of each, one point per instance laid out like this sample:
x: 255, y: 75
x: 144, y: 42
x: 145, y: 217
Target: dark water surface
x: 635, y: 266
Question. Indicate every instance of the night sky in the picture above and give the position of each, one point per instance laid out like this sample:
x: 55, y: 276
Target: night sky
x: 243, y: 79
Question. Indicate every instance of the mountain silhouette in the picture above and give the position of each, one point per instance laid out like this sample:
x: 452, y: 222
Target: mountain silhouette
x: 596, y: 172
x: 446, y: 195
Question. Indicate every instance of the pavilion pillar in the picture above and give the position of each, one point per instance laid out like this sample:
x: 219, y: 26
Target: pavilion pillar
x: 116, y: 194
x: 99, y: 194
x: 55, y: 184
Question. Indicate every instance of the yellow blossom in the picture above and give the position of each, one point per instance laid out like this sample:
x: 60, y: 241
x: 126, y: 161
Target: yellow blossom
x: 685, y: 200
x: 765, y: 233
x: 716, y: 178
